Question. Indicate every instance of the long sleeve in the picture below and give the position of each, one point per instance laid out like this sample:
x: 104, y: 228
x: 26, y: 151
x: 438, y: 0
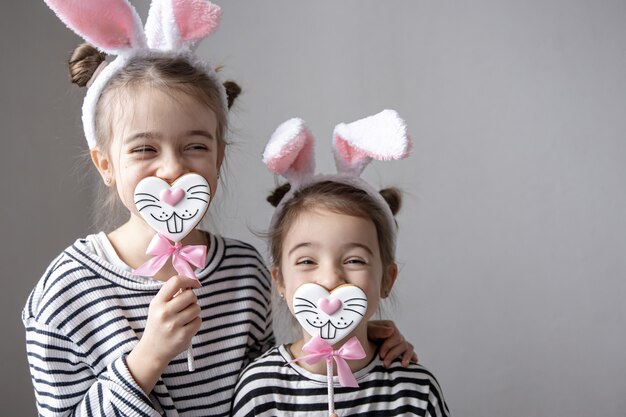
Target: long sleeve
x: 65, y: 385
x: 263, y: 339
x: 85, y: 315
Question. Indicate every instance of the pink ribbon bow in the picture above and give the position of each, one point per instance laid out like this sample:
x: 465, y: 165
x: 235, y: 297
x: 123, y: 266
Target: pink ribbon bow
x: 318, y: 349
x: 161, y: 249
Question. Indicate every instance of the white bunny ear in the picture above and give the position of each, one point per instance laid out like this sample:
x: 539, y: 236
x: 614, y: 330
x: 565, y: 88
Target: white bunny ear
x: 174, y: 24
x: 112, y: 26
x: 155, y: 34
x: 382, y: 136
x: 289, y: 152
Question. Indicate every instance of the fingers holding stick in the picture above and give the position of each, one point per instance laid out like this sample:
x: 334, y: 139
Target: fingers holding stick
x: 190, y: 310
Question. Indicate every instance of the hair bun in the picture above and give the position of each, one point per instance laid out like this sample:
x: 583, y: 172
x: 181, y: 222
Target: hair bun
x: 393, y: 197
x: 278, y: 194
x: 232, y: 92
x: 83, y: 63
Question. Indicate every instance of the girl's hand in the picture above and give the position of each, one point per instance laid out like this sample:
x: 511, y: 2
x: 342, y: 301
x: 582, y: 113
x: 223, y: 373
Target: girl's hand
x: 393, y: 343
x: 173, y: 319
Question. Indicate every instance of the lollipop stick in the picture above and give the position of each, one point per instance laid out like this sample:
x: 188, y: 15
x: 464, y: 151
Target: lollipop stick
x: 331, y: 390
x: 191, y: 364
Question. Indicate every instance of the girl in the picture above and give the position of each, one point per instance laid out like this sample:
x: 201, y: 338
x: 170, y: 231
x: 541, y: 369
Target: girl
x: 100, y: 340
x: 331, y: 231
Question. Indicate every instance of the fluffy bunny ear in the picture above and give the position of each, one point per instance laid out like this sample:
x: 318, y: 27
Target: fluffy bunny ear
x: 112, y: 26
x: 382, y: 136
x: 173, y: 24
x: 289, y: 152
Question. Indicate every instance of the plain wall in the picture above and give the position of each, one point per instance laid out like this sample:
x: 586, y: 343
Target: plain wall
x: 513, y: 233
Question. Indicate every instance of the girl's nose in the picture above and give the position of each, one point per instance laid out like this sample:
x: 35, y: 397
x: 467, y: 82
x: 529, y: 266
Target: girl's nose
x: 332, y: 277
x: 171, y: 169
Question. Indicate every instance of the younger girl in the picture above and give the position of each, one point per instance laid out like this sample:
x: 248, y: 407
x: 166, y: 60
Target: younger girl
x: 102, y: 341
x: 331, y: 231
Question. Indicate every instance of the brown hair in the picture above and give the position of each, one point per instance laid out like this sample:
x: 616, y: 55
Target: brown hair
x: 338, y: 198
x: 83, y: 63
x: 167, y: 73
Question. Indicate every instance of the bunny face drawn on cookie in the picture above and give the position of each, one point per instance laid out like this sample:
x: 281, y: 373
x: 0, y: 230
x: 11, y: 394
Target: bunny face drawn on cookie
x: 175, y: 210
x: 330, y: 315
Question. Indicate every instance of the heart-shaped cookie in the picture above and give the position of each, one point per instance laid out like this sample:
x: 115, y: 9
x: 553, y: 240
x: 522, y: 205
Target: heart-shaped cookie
x: 173, y: 210
x: 330, y: 315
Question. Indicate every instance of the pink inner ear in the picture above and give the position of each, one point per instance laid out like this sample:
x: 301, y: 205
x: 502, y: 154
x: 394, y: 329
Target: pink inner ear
x: 107, y: 24
x: 303, y: 161
x: 348, y: 153
x: 295, y: 156
x: 196, y: 18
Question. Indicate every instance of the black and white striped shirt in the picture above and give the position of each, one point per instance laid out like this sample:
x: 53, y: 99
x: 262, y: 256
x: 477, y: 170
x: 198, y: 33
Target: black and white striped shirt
x: 86, y: 314
x: 268, y: 387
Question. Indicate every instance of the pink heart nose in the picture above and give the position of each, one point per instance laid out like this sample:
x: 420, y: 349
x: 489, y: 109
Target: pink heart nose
x: 329, y: 306
x: 172, y: 196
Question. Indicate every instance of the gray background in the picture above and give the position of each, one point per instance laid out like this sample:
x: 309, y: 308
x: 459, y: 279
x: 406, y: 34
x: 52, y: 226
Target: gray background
x: 513, y: 231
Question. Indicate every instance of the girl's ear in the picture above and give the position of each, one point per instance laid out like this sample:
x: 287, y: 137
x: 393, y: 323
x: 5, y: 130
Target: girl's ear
x: 103, y: 165
x: 278, y: 279
x: 221, y: 152
x: 388, y: 280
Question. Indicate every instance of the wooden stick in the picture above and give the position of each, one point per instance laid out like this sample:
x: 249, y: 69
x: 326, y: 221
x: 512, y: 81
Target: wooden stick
x: 191, y: 363
x: 331, y: 390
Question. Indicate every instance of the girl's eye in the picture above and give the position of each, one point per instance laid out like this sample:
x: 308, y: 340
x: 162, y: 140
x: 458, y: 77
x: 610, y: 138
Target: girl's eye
x: 357, y: 261
x: 196, y: 147
x: 143, y: 149
x: 305, y: 261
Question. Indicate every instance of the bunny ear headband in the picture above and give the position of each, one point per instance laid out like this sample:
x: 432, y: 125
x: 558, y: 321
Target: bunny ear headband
x: 174, y: 28
x: 382, y: 136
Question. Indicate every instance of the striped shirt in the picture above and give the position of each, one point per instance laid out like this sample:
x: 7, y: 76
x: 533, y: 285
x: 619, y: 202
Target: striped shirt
x: 86, y: 314
x: 269, y: 387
